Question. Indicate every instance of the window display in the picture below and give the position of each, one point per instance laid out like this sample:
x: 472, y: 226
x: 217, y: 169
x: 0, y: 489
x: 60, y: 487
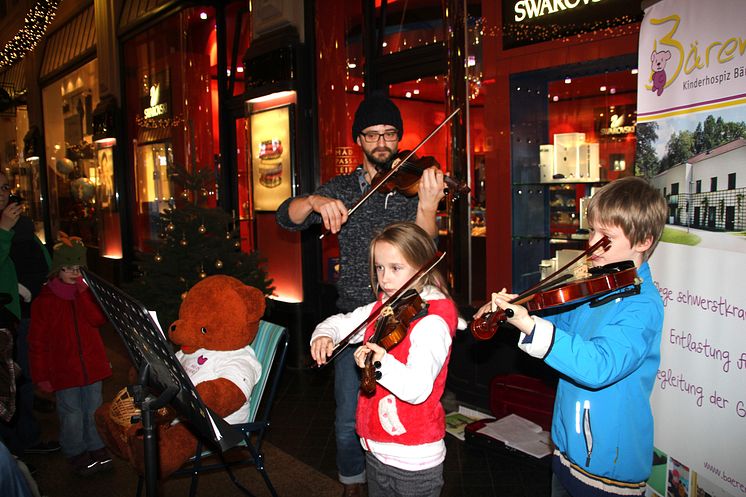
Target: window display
x: 72, y: 165
x: 171, y: 113
x: 573, y: 130
x: 20, y: 164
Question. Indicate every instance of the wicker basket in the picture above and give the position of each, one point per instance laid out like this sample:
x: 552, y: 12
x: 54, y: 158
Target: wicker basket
x: 123, y: 409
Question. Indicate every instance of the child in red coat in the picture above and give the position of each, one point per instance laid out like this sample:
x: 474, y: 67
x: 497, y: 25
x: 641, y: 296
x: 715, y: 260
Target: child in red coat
x: 67, y: 355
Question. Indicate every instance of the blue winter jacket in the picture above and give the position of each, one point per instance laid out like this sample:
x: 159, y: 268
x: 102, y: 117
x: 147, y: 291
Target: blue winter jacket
x: 608, y: 357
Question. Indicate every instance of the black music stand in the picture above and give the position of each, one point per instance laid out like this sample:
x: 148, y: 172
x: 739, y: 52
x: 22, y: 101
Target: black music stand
x: 161, y: 378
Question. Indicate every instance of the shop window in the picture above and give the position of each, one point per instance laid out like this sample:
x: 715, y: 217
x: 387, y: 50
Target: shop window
x: 171, y: 107
x: 573, y: 130
x: 72, y: 169
x: 21, y: 162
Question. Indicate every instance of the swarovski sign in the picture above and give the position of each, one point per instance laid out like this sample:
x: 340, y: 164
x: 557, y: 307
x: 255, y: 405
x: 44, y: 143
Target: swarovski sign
x: 525, y: 22
x: 530, y: 9
x: 156, y: 108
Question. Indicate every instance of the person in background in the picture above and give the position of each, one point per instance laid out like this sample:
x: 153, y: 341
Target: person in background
x: 377, y: 129
x: 15, y: 477
x: 402, y: 424
x: 607, y: 353
x: 67, y: 355
x: 24, y: 265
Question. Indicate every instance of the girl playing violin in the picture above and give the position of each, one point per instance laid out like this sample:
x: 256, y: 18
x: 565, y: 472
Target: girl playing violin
x: 402, y: 425
x: 607, y: 355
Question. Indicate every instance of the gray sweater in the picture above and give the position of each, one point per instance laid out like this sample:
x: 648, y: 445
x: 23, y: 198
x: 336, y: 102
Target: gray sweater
x: 378, y: 211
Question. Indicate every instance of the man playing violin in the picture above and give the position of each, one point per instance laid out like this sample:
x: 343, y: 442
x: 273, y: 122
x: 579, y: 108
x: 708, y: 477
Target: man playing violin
x: 377, y: 129
x: 607, y: 353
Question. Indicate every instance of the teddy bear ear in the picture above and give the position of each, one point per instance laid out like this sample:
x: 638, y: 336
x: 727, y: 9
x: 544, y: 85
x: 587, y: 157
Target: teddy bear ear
x: 254, y: 300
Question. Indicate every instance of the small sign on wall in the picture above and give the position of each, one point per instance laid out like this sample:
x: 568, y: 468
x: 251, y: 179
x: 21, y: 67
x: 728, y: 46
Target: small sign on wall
x: 344, y: 160
x: 271, y: 157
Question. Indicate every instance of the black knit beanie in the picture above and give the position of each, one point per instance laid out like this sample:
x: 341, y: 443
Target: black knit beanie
x: 374, y: 110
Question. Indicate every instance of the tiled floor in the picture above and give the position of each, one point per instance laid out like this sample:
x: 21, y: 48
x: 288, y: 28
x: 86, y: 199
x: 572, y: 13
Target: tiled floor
x: 303, y: 426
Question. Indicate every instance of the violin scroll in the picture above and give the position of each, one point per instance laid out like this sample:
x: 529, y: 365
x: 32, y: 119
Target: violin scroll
x: 369, y: 376
x: 485, y: 326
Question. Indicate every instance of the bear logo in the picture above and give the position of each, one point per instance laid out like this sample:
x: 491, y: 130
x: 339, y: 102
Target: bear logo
x: 658, y: 62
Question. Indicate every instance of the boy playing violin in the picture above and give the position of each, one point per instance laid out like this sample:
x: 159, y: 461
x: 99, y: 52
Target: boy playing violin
x: 607, y: 355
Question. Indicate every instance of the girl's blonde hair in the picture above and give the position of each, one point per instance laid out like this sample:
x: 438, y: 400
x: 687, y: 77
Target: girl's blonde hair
x: 416, y: 247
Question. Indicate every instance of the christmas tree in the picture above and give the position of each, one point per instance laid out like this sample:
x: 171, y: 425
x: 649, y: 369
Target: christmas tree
x: 195, y: 241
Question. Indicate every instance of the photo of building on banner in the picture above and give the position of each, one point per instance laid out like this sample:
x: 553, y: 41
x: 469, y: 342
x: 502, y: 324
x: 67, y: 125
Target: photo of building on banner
x: 691, y: 134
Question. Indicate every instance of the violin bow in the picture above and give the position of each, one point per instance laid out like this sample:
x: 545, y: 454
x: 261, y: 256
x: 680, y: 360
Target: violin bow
x: 426, y: 268
x: 393, y: 170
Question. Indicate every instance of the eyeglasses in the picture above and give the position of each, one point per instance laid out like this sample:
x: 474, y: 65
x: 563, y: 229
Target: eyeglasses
x: 70, y: 269
x: 5, y: 188
x: 373, y: 137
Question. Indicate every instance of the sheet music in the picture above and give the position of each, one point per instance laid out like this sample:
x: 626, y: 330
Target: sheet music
x: 521, y: 434
x: 511, y: 428
x: 154, y: 316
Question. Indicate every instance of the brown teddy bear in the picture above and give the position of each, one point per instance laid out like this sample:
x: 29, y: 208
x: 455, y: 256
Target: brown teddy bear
x: 218, y: 320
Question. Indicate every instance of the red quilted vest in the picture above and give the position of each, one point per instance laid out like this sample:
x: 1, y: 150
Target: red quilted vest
x: 423, y: 423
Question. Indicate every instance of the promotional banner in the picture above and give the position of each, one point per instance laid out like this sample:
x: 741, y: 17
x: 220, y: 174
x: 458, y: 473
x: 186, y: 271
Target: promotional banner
x: 692, y: 146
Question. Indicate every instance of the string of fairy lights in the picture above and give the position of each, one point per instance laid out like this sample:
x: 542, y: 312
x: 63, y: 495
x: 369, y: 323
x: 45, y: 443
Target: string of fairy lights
x: 35, y: 25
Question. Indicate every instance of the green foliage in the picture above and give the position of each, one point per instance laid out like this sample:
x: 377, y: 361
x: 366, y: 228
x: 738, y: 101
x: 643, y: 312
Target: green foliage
x: 708, y: 134
x: 646, y: 162
x: 195, y: 242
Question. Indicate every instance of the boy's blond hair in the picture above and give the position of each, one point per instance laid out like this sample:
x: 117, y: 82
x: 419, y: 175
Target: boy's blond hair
x: 633, y: 205
x: 416, y: 247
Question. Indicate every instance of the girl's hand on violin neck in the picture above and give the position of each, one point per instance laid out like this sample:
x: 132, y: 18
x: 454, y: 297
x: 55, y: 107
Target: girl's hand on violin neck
x: 369, y: 348
x: 484, y: 309
x: 431, y: 188
x: 517, y: 314
x: 321, y: 349
x: 333, y: 211
x: 492, y: 306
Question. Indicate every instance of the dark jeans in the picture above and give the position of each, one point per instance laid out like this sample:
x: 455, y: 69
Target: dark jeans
x: 350, y: 456
x: 22, y: 431
x: 558, y: 490
x: 12, y: 481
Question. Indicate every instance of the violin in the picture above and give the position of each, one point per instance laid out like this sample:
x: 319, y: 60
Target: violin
x: 556, y: 290
x: 383, y: 180
x: 391, y: 328
x: 604, y: 279
x: 406, y: 178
